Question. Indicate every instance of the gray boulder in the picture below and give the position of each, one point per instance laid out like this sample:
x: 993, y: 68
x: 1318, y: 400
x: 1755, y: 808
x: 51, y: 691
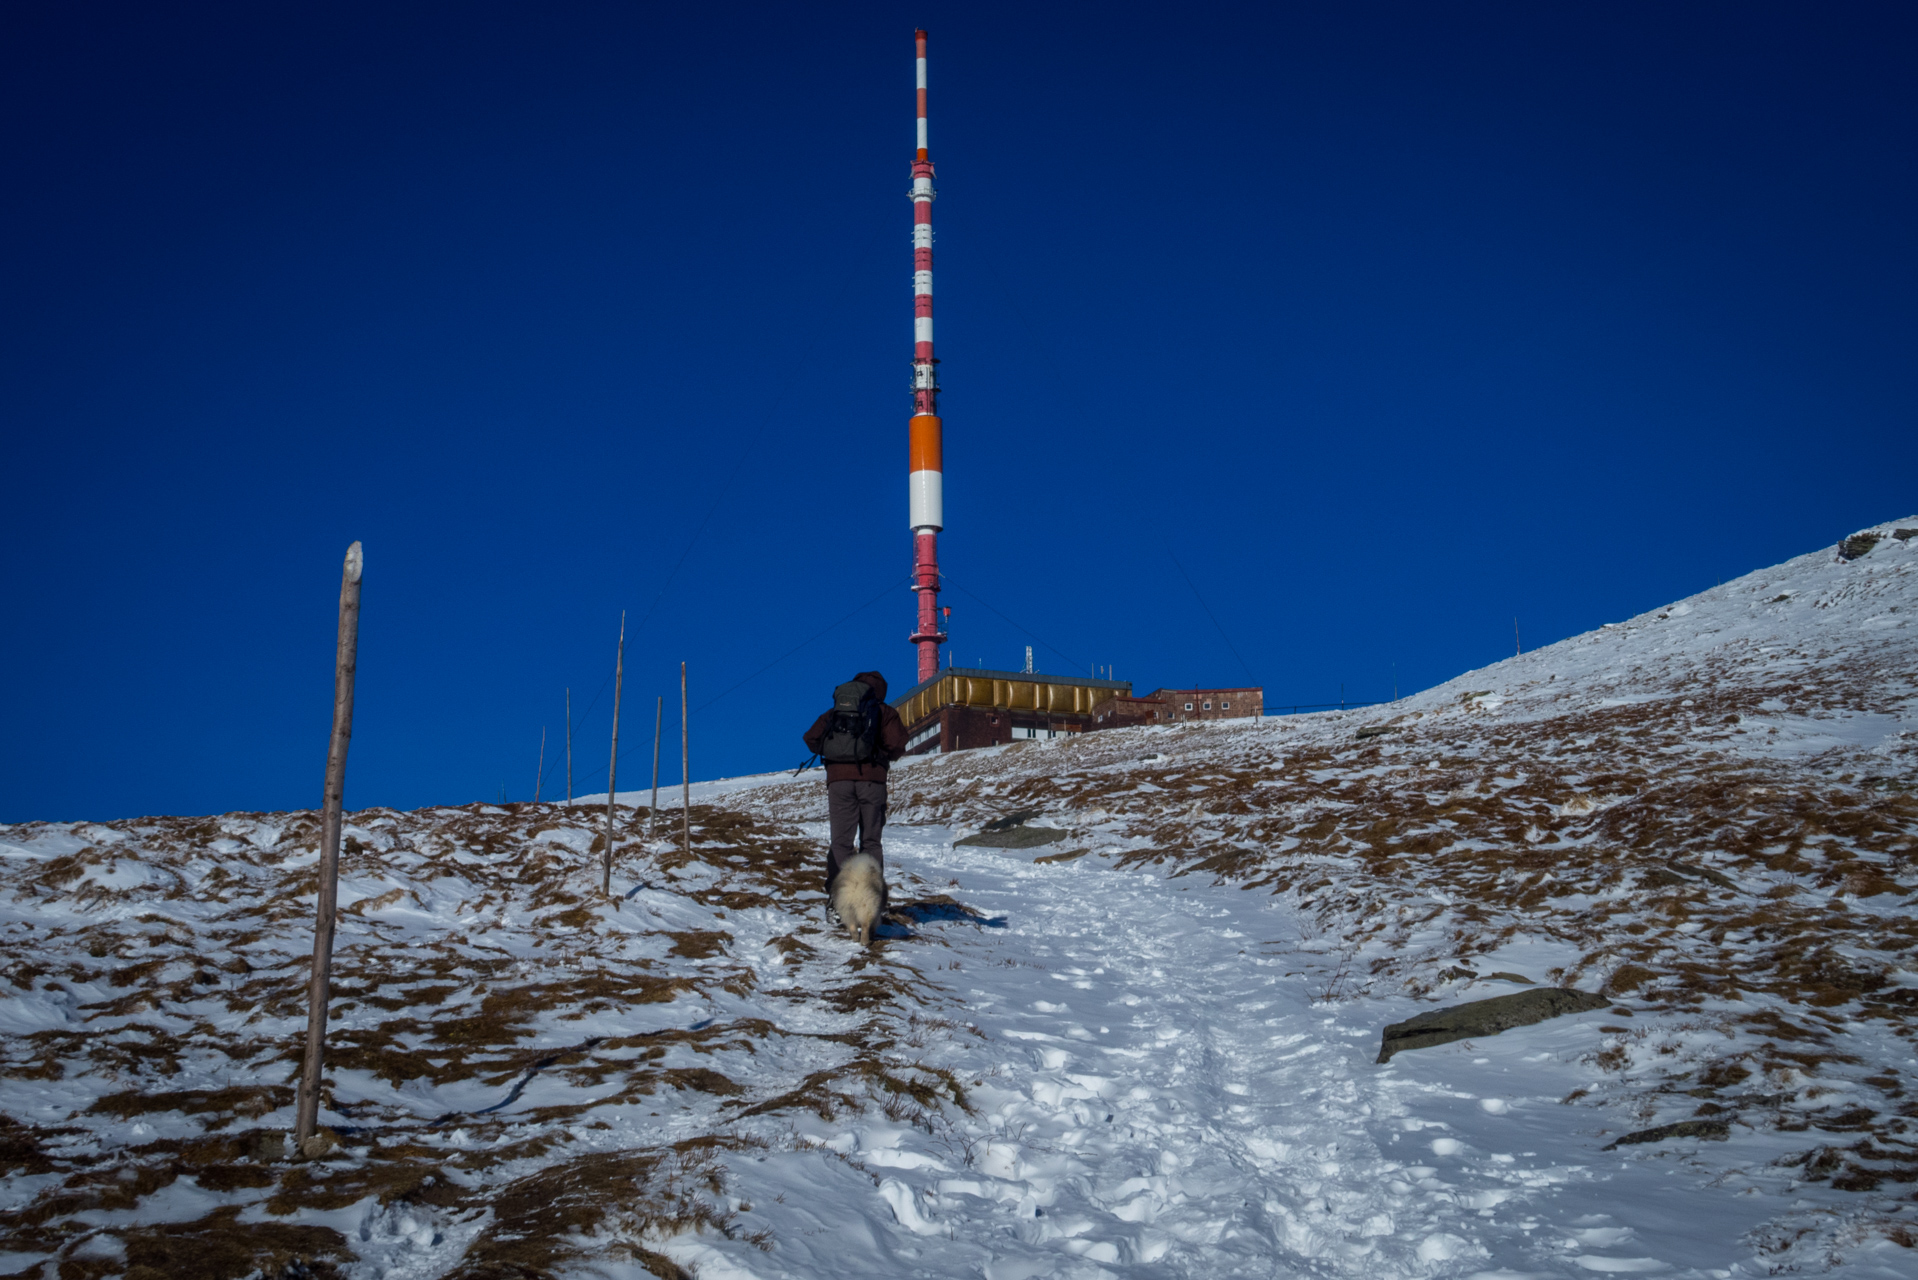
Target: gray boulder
x: 1018, y: 837
x: 1485, y: 1018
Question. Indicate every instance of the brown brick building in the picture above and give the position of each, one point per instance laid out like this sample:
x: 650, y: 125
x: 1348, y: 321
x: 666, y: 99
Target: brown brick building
x: 1210, y: 704
x: 1122, y: 712
x: 1172, y: 706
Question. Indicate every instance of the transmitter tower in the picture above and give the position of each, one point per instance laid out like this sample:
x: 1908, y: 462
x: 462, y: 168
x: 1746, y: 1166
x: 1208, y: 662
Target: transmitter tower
x: 925, y: 462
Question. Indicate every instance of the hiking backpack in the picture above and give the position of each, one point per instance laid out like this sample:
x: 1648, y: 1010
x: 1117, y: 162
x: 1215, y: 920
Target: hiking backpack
x: 852, y: 733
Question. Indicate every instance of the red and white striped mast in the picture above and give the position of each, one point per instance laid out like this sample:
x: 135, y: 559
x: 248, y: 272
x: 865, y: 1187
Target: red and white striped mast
x: 926, y: 479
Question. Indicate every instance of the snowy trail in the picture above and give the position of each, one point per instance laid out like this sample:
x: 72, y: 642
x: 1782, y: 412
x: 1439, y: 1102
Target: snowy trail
x: 1160, y: 1093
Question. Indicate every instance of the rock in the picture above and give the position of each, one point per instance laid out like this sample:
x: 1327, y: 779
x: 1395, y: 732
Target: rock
x: 1066, y: 856
x: 1011, y: 832
x: 1859, y: 544
x: 1718, y: 878
x: 1014, y: 837
x: 1018, y: 819
x: 322, y: 1143
x: 1712, y: 1130
x: 1684, y: 873
x: 1760, y: 1099
x: 1510, y: 977
x: 1485, y: 1018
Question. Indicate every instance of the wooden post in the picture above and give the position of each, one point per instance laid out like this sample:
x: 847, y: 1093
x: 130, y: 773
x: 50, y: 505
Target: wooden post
x: 307, y: 1112
x: 612, y: 768
x: 659, y: 713
x: 539, y: 771
x: 685, y: 768
x: 569, y: 746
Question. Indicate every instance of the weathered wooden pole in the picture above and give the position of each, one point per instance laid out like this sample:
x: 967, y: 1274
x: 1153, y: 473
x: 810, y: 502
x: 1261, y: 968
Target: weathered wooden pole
x: 685, y: 768
x: 612, y: 768
x: 307, y: 1112
x: 539, y: 770
x: 569, y: 746
x: 659, y: 715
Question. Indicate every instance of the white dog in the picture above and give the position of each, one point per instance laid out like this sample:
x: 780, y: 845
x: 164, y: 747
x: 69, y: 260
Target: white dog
x: 859, y: 895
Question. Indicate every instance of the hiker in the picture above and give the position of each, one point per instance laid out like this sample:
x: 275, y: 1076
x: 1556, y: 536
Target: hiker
x: 857, y: 738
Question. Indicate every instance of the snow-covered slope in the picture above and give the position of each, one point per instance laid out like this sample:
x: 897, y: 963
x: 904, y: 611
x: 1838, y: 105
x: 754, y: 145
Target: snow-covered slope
x: 1147, y: 1049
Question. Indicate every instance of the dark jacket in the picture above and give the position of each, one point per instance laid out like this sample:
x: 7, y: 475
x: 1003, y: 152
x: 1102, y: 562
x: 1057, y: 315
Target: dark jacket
x: 891, y: 744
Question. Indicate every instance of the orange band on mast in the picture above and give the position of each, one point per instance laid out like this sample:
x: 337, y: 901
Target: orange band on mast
x: 926, y: 450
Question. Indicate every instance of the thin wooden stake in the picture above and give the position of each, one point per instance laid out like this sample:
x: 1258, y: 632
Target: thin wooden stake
x: 569, y: 746
x: 1518, y: 650
x: 685, y: 768
x: 539, y: 773
x: 612, y: 768
x: 659, y: 713
x: 346, y: 656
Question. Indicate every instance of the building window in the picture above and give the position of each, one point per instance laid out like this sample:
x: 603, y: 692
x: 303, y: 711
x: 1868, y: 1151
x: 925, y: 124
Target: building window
x: 1208, y: 706
x: 1225, y: 706
x: 1188, y: 706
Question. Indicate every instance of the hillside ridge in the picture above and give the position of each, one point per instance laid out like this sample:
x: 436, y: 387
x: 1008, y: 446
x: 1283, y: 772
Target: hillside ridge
x: 1149, y: 1044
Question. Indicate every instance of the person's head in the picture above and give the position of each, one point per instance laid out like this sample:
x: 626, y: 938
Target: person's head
x: 877, y: 681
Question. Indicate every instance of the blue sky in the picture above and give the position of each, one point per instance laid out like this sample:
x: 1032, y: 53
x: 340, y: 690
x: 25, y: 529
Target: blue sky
x: 1386, y: 322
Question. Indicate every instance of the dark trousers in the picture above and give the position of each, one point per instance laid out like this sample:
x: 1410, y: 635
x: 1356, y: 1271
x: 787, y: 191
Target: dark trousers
x: 855, y: 807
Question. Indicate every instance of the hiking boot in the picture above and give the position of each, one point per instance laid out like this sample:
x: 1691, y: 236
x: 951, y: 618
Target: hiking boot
x: 832, y: 918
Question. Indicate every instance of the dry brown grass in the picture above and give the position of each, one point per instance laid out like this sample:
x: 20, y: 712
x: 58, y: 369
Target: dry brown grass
x: 437, y: 1010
